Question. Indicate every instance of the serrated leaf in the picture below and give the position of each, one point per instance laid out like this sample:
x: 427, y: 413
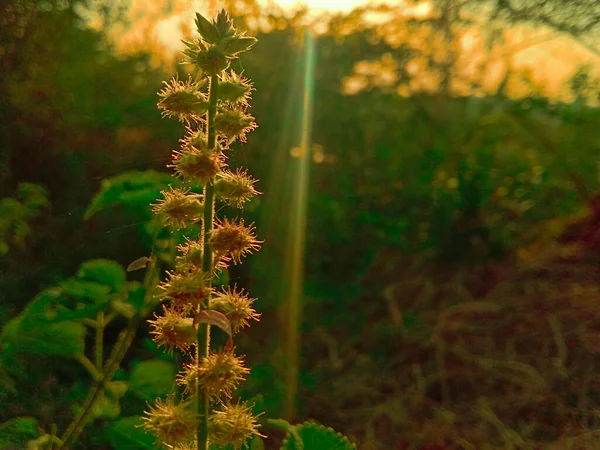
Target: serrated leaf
x: 17, y: 432
x: 152, y: 379
x: 216, y: 318
x: 313, y: 436
x: 134, y: 188
x: 103, y: 271
x: 127, y: 433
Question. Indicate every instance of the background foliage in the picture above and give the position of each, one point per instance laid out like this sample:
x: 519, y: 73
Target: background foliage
x: 454, y: 224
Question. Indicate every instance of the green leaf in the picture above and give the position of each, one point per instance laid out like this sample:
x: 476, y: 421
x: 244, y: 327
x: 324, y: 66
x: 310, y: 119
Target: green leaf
x: 17, y: 432
x: 127, y: 434
x: 313, y: 436
x: 59, y: 339
x: 106, y: 407
x: 281, y: 424
x: 134, y: 188
x: 103, y: 271
x: 85, y: 290
x: 117, y: 389
x: 62, y: 314
x: 152, y: 379
x: 134, y: 300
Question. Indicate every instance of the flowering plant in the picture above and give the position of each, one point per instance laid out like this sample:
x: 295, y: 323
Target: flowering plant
x: 214, y: 107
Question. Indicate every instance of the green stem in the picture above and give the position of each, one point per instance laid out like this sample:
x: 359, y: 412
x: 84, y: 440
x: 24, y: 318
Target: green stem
x: 203, y: 346
x: 89, y: 366
x: 99, y: 342
x: 118, y: 352
x: 112, y: 364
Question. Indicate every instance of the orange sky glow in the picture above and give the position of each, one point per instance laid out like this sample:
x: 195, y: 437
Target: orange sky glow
x: 550, y: 58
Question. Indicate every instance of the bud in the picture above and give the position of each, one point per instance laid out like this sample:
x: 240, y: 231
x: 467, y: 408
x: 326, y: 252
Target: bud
x: 192, y: 163
x: 171, y: 423
x: 218, y: 374
x: 182, y: 101
x: 173, y: 330
x: 191, y: 255
x: 179, y: 207
x: 235, y: 189
x: 234, y: 88
x: 185, y: 290
x: 212, y: 60
x: 234, y: 124
x: 233, y: 426
x: 233, y: 239
x: 236, y: 306
x: 224, y: 25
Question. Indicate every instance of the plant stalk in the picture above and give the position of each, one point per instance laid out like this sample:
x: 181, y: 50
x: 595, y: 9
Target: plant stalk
x: 117, y: 354
x: 112, y: 364
x: 99, y: 342
x: 203, y: 343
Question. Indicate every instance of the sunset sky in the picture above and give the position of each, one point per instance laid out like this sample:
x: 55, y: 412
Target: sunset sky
x: 550, y: 58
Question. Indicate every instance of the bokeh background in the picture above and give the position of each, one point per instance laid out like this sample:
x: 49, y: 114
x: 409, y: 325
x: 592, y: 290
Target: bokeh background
x: 438, y: 162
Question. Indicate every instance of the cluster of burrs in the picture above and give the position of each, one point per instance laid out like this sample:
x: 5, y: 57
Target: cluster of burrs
x: 213, y: 105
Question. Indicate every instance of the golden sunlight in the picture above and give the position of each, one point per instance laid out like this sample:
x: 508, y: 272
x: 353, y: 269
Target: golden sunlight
x: 549, y: 58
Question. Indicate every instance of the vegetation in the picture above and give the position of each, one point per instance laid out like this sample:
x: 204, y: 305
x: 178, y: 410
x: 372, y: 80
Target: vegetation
x: 451, y: 256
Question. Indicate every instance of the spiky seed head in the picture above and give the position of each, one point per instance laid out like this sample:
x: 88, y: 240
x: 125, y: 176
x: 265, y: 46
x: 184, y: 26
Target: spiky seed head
x: 190, y: 258
x: 192, y: 163
x: 235, y: 88
x: 209, y: 58
x: 233, y: 239
x: 233, y: 425
x: 218, y: 374
x: 235, y: 188
x: 191, y: 255
x: 194, y: 138
x: 185, y: 446
x: 173, y: 330
x: 197, y: 138
x: 212, y: 60
x: 182, y: 100
x: 236, y: 306
x: 186, y: 290
x: 178, y: 206
x: 172, y: 423
x: 233, y: 124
